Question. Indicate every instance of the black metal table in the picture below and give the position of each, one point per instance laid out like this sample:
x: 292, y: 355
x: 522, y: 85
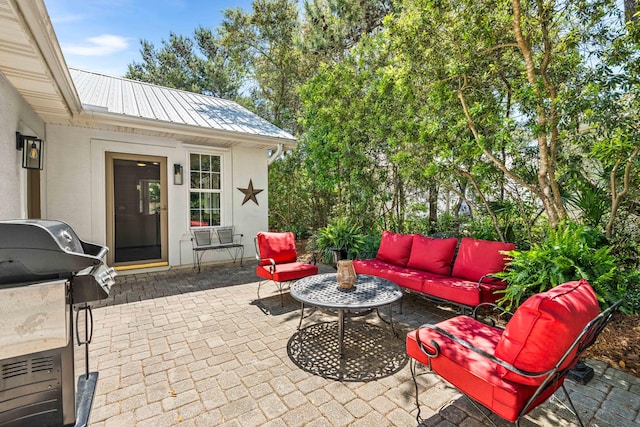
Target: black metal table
x: 368, y: 293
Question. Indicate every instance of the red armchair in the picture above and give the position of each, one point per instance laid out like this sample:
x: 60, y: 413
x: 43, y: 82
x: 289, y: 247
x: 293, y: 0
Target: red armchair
x: 277, y: 260
x: 512, y: 371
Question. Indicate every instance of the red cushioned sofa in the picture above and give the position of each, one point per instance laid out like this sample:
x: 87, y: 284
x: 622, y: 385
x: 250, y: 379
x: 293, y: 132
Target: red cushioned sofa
x: 511, y: 371
x: 426, y: 265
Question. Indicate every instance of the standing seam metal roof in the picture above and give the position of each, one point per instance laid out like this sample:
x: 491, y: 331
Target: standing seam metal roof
x: 137, y: 99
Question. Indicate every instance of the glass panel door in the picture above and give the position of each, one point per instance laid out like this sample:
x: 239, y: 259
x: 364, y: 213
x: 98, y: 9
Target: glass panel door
x: 138, y: 209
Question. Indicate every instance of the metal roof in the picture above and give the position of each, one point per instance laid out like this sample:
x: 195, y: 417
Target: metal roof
x: 108, y: 94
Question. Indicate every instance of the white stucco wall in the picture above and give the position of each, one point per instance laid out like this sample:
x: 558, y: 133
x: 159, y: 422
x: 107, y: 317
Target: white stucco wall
x: 15, y: 116
x: 76, y: 187
x: 250, y: 164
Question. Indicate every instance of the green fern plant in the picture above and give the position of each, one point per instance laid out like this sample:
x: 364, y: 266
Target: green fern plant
x: 570, y: 252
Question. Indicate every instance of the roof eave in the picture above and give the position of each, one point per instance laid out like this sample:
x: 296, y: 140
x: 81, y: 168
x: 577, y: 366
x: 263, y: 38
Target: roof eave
x: 36, y: 19
x: 186, y: 132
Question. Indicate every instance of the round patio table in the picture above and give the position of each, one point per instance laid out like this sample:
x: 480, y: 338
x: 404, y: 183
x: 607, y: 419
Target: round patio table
x: 368, y: 293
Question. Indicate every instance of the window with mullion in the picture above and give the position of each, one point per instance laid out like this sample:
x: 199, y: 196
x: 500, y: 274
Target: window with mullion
x: 205, y: 190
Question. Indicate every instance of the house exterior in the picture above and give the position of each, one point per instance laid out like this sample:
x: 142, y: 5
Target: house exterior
x: 127, y: 164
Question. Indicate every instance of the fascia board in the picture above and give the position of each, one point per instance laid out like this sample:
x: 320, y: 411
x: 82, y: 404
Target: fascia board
x: 182, y: 129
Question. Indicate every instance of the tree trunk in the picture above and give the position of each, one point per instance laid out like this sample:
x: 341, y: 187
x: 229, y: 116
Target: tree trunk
x: 433, y: 204
x: 616, y: 198
x: 547, y: 133
x: 630, y: 9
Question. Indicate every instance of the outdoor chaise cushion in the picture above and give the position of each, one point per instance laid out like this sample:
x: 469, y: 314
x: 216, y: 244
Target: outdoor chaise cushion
x: 410, y: 278
x: 478, y: 258
x: 280, y: 247
x: 395, y: 248
x: 287, y: 272
x: 432, y: 255
x: 461, y: 291
x: 543, y: 327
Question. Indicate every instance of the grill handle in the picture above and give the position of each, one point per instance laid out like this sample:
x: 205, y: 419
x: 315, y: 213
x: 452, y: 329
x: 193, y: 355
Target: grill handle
x: 88, y: 333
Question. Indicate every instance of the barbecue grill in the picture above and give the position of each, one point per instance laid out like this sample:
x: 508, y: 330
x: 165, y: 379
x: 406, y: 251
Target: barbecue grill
x: 46, y: 274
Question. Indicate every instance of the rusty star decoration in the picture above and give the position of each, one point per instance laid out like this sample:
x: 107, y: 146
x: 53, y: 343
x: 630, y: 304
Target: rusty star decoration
x: 250, y: 193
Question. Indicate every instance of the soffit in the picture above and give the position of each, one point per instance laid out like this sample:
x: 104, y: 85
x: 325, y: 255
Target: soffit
x: 31, y: 60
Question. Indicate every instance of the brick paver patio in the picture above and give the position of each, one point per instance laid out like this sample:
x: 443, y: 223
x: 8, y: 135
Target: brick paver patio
x: 178, y: 348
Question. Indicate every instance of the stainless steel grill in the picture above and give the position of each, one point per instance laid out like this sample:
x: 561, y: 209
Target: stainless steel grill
x: 46, y: 275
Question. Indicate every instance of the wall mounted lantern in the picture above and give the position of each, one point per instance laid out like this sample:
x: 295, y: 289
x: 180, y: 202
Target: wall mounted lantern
x: 177, y: 174
x: 32, y: 151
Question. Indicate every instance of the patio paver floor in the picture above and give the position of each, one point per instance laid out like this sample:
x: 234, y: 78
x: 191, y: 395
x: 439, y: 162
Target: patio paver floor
x: 178, y: 348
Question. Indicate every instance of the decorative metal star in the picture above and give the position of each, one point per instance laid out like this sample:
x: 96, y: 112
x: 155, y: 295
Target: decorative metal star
x: 250, y: 193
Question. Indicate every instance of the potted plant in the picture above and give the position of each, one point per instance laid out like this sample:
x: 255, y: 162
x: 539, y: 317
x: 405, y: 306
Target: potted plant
x: 339, y: 240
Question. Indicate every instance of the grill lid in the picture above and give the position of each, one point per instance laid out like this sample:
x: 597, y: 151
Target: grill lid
x: 33, y: 250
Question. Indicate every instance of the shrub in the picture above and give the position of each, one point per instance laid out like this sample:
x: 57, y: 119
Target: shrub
x: 569, y: 253
x: 300, y: 231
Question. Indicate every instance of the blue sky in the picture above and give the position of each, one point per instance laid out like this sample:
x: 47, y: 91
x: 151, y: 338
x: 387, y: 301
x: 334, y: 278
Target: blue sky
x: 104, y: 35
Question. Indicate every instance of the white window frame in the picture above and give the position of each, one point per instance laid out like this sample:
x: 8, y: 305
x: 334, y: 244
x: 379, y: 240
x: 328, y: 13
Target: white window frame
x: 222, y: 191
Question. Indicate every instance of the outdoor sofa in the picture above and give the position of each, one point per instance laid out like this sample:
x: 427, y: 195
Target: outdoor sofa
x: 426, y: 266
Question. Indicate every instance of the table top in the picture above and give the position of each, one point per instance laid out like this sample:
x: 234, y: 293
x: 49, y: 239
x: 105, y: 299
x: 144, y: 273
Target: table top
x: 322, y: 290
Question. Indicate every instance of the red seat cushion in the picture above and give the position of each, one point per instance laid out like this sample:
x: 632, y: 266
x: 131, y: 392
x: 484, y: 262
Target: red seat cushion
x: 453, y: 289
x: 395, y: 248
x: 281, y: 247
x: 402, y: 276
x: 471, y: 373
x: 287, y: 272
x: 543, y: 328
x: 433, y: 255
x: 477, y: 258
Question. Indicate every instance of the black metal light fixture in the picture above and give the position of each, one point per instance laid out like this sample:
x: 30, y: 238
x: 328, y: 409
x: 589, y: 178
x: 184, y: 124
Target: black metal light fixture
x: 32, y: 151
x: 177, y: 174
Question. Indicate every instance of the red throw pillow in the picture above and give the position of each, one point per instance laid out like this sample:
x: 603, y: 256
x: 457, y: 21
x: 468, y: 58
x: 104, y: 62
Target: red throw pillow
x: 432, y: 255
x: 281, y: 247
x: 543, y: 328
x: 395, y: 248
x: 477, y: 258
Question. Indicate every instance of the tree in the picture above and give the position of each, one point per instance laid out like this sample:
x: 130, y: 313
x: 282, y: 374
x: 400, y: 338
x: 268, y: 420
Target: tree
x: 333, y: 27
x: 263, y: 42
x: 609, y: 110
x: 513, y: 73
x: 177, y: 65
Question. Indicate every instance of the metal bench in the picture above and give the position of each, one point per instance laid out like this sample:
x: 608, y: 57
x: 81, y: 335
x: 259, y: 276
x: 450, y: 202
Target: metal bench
x: 225, y: 239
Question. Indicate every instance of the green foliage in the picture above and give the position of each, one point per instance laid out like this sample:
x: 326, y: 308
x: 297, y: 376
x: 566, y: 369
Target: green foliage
x: 178, y: 64
x: 334, y: 26
x: 340, y: 234
x: 370, y: 246
x: 569, y: 253
x: 446, y: 225
x: 591, y: 200
x: 262, y: 42
x: 481, y: 228
x: 300, y: 231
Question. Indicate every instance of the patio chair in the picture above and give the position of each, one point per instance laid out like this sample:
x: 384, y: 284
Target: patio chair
x: 510, y: 371
x: 277, y: 260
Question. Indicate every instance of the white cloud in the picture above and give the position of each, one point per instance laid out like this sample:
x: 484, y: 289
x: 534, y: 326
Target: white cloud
x: 102, y: 45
